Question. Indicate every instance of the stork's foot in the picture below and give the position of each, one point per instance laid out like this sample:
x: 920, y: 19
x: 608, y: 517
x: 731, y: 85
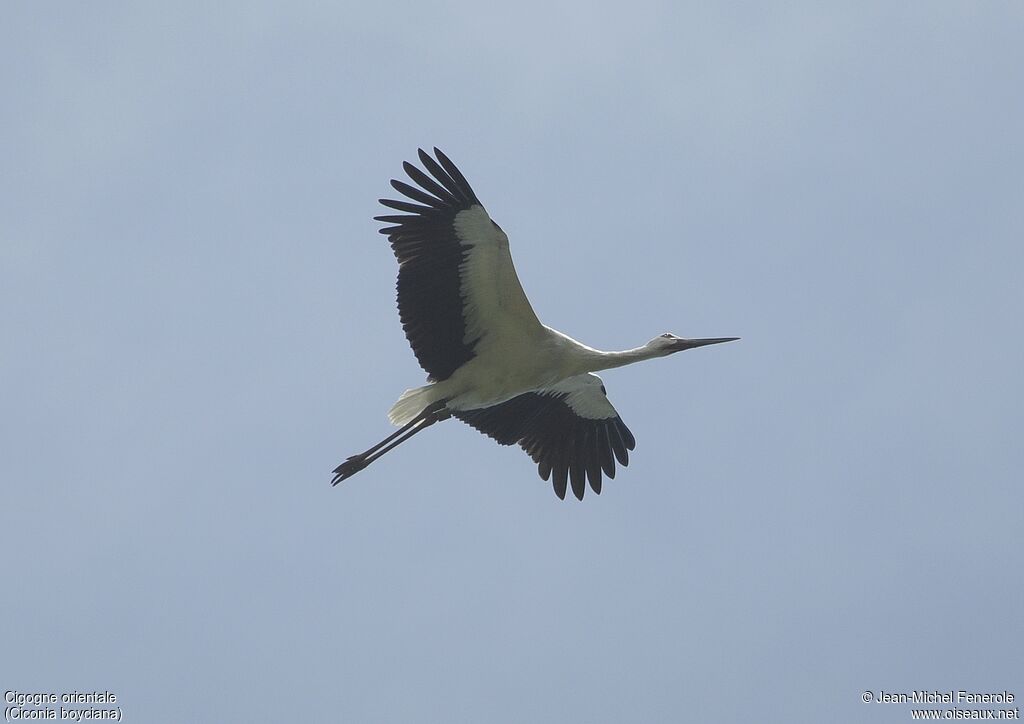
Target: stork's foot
x: 434, y: 413
x: 349, y: 468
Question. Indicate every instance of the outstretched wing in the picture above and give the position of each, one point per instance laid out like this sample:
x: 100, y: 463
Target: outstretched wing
x: 570, y: 430
x: 456, y: 281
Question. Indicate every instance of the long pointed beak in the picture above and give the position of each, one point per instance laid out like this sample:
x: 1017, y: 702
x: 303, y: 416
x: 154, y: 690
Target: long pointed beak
x: 691, y: 343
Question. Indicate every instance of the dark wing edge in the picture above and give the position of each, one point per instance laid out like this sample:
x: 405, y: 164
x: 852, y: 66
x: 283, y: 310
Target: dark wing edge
x: 568, y: 449
x: 429, y: 255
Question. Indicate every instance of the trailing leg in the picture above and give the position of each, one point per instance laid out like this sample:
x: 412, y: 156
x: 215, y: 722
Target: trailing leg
x: 433, y: 413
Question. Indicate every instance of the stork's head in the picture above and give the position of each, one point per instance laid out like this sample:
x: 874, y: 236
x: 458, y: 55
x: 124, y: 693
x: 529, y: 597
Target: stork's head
x: 668, y: 343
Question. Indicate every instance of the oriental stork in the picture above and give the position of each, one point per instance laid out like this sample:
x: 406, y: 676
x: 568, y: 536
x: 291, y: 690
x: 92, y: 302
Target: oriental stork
x: 490, y: 362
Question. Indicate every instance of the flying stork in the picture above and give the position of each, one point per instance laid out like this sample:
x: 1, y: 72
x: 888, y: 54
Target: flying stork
x: 490, y: 362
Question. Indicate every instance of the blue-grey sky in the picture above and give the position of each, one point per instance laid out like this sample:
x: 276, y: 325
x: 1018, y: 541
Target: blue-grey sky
x: 199, y: 324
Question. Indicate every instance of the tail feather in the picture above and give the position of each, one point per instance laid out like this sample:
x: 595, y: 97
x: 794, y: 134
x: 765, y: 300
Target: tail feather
x: 411, y: 403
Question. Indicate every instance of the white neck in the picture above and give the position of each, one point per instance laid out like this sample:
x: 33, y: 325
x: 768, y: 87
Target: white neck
x: 594, y: 360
